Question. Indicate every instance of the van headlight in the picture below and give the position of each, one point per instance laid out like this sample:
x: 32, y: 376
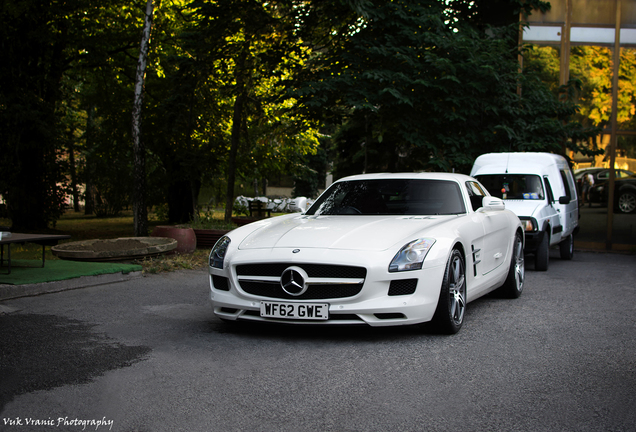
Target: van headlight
x: 529, y: 224
x: 217, y: 255
x: 411, y: 256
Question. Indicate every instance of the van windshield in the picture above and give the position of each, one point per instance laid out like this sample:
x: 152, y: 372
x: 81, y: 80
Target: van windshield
x: 513, y: 186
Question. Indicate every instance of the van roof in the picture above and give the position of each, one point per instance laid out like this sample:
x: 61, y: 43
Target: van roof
x: 522, y: 163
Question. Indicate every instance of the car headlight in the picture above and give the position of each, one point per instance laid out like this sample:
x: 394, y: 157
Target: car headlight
x: 217, y: 255
x: 529, y: 225
x: 411, y: 256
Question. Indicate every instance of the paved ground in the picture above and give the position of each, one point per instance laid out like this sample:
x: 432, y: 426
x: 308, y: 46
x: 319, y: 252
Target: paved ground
x: 147, y: 355
x: 593, y: 223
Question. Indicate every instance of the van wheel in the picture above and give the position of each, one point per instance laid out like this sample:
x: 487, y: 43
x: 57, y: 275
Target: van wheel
x: 542, y: 254
x: 566, y: 247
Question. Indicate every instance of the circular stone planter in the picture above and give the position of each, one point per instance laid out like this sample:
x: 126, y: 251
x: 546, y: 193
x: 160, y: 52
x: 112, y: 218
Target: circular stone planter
x: 114, y: 249
x: 185, y: 237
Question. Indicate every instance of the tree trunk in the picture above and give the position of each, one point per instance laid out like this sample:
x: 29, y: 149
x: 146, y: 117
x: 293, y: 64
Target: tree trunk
x: 237, y: 120
x: 89, y: 196
x: 180, y: 203
x: 139, y: 151
x: 231, y: 164
x: 73, y: 170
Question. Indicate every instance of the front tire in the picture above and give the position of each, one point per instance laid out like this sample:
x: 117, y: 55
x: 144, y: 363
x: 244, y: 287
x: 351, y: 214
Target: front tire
x: 542, y: 254
x: 513, y: 286
x: 449, y: 315
x: 566, y: 248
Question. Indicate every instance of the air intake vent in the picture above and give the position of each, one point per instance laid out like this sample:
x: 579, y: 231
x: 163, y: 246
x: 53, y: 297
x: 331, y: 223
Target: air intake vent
x: 402, y: 287
x: 220, y: 283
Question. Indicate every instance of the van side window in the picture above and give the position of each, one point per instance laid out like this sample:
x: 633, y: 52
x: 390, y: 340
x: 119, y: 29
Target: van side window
x: 566, y: 184
x: 548, y: 188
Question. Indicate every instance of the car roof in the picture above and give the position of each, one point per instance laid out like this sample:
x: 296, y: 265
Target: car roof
x: 596, y: 170
x: 518, y: 163
x: 460, y: 178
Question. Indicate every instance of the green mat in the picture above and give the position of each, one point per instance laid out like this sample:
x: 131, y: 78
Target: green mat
x: 31, y: 271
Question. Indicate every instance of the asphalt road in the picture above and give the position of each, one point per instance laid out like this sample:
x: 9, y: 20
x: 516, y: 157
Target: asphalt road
x: 593, y: 223
x: 147, y: 355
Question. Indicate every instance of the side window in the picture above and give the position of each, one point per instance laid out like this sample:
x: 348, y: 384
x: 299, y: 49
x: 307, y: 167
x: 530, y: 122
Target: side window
x: 476, y: 194
x: 548, y: 188
x: 566, y: 184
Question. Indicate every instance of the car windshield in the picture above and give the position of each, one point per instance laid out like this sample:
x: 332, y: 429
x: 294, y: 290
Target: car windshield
x: 390, y: 197
x: 513, y: 186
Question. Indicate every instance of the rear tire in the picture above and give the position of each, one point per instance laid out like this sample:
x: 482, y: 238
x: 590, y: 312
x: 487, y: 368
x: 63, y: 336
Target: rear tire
x: 566, y: 248
x: 513, y: 286
x: 627, y: 202
x: 542, y: 254
x: 449, y: 315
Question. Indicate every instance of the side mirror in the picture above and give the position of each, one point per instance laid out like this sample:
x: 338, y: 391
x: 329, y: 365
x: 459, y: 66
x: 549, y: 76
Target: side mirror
x: 564, y: 200
x: 490, y: 203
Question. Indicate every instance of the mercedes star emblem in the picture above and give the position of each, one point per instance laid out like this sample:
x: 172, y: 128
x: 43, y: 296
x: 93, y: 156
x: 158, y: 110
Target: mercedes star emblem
x: 293, y: 281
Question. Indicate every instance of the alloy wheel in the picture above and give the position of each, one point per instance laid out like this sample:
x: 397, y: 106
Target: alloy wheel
x: 457, y: 290
x: 520, y: 265
x: 627, y: 202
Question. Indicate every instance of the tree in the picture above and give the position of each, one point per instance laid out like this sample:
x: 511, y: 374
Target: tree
x: 590, y: 85
x: 418, y: 90
x: 34, y: 42
x: 251, y: 48
x: 46, y: 46
x: 139, y: 150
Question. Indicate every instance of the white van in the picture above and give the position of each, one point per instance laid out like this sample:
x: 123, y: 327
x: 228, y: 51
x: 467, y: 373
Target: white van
x: 539, y: 188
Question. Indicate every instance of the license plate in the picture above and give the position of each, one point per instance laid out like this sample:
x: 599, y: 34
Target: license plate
x: 298, y: 311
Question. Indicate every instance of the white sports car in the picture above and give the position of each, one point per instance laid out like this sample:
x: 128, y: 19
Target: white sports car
x: 376, y: 249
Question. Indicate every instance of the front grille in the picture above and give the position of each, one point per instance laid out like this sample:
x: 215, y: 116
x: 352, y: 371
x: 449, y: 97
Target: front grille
x: 323, y: 281
x: 402, y: 287
x: 314, y: 292
x: 313, y: 270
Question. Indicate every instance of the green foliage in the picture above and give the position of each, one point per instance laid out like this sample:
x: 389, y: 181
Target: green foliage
x: 241, y: 89
x: 46, y: 47
x: 250, y: 51
x: 210, y: 220
x: 240, y: 210
x: 33, y: 44
x: 310, y: 177
x: 591, y: 85
x: 418, y: 91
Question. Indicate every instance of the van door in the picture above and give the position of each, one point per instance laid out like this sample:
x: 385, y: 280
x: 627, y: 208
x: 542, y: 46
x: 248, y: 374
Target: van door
x: 569, y: 213
x: 552, y: 213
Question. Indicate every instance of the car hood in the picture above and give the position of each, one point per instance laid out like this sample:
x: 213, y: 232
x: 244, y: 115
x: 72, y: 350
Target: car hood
x: 371, y: 233
x: 524, y: 207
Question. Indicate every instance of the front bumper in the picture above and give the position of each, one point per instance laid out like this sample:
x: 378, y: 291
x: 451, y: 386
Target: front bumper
x: 371, y: 306
x: 532, y: 241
